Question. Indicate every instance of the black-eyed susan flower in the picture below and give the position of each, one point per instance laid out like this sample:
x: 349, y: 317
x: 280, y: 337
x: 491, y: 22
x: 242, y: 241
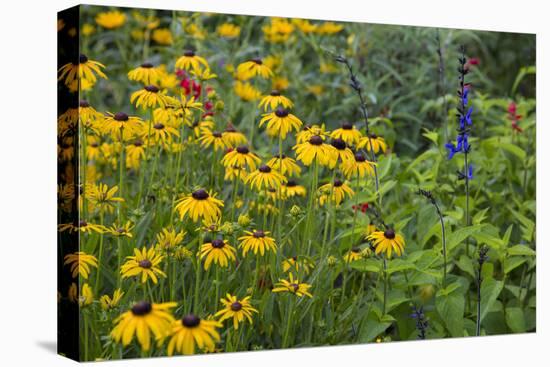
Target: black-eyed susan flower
x: 80, y: 263
x: 219, y: 252
x: 148, y: 97
x: 387, y: 242
x: 353, y: 255
x: 246, y: 91
x: 162, y: 36
x: 298, y: 265
x: 348, y: 133
x: 228, y: 30
x: 278, y: 31
x: 304, y: 25
x: 357, y: 167
x: 378, y: 143
x: 144, y: 264
x: 135, y: 153
x: 234, y: 173
x: 335, y: 192
x: 81, y: 226
x: 161, y: 133
x: 341, y: 152
x: 291, y: 189
x: 292, y: 286
x: 265, y: 177
x: 103, y: 198
x: 86, y: 296
x: 146, y: 73
x: 191, y: 332
x: 199, y: 204
x: 87, y: 115
x: 213, y: 138
x: 108, y: 303
x: 111, y: 19
x: 314, y: 149
x: 274, y: 100
x: 83, y: 69
x: 280, y: 83
x: 232, y: 137
x: 72, y: 293
x: 144, y: 320
x: 168, y: 239
x: 328, y: 28
x: 119, y: 122
x: 280, y: 122
x: 285, y: 165
x: 241, y: 157
x: 253, y: 67
x: 309, y: 131
x: 191, y: 61
x: 238, y: 310
x: 257, y: 241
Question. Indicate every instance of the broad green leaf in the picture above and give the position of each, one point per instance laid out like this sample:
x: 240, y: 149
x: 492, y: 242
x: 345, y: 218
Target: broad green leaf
x: 511, y: 263
x: 396, y: 265
x: 490, y: 290
x: 514, y: 149
x: 372, y: 328
x: 515, y: 319
x: 465, y: 264
x: 520, y: 250
x: 451, y: 309
x: 458, y: 236
x: 370, y: 265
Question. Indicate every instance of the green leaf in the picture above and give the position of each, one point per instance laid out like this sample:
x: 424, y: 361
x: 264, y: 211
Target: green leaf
x: 515, y: 319
x: 451, y: 309
x: 465, y: 264
x: 520, y: 250
x: 370, y: 265
x: 522, y: 73
x: 396, y: 265
x: 372, y: 328
x: 490, y: 290
x: 458, y: 236
x: 514, y: 149
x: 511, y: 263
x: 431, y: 135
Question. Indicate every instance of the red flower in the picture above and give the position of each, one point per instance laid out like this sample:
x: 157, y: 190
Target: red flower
x: 473, y: 61
x: 514, y: 117
x: 208, y: 105
x: 363, y: 207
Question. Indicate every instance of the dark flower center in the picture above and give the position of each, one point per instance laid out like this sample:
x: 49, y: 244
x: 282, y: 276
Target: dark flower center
x: 147, y: 65
x: 236, y: 306
x: 82, y: 223
x: 158, y: 126
x: 83, y: 59
x: 84, y: 104
x: 281, y: 112
x: 257, y: 60
x: 189, y: 53
x: 338, y: 183
x: 121, y: 116
x: 243, y: 149
x: 230, y: 128
x: 389, y: 234
x: 264, y: 168
x: 200, y: 194
x: 359, y: 157
x: 316, y: 140
x: 282, y: 156
x: 275, y: 93
x: 291, y: 183
x: 120, y: 230
x: 217, y: 134
x: 138, y: 143
x: 95, y: 144
x: 218, y: 243
x: 373, y: 136
x: 259, y: 234
x: 151, y: 88
x: 295, y: 287
x: 190, y: 320
x: 142, y: 308
x: 146, y: 264
x: 356, y: 250
x: 272, y: 190
x: 338, y: 144
x: 347, y: 126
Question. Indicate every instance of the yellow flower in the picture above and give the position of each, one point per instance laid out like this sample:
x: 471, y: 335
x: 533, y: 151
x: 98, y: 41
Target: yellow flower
x: 280, y: 122
x: 311, y: 130
x: 72, y: 293
x: 316, y: 89
x: 81, y: 226
x: 292, y: 263
x: 304, y: 25
x: 144, y: 319
x: 233, y: 173
x: 228, y: 30
x: 357, y: 167
x: 252, y: 68
x: 103, y: 197
x: 108, y: 303
x: 292, y: 286
x: 135, y: 152
x: 192, y: 331
x: 144, y: 263
x: 86, y: 296
x: 232, y: 137
x: 328, y: 68
x: 191, y: 61
x: 341, y: 153
x: 148, y: 97
x: 329, y: 28
x: 278, y: 31
x: 238, y: 310
x: 274, y: 99
x: 162, y: 36
x: 265, y: 177
x: 257, y: 241
x: 338, y: 190
x: 169, y: 239
x: 386, y: 242
x: 199, y: 204
x: 80, y: 263
x: 219, y: 252
x: 161, y: 133
x: 285, y: 165
x: 119, y: 122
x: 347, y: 133
x: 215, y: 138
x: 280, y: 83
x: 146, y: 73
x: 292, y: 189
x: 314, y: 149
x: 241, y: 157
x: 353, y: 255
x: 378, y: 143
x: 83, y: 69
x: 111, y: 19
x: 246, y: 91
x: 87, y: 29
x: 203, y: 74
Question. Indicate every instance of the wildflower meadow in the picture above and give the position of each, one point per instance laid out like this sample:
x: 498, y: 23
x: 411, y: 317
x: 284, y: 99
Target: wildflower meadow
x: 232, y: 183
